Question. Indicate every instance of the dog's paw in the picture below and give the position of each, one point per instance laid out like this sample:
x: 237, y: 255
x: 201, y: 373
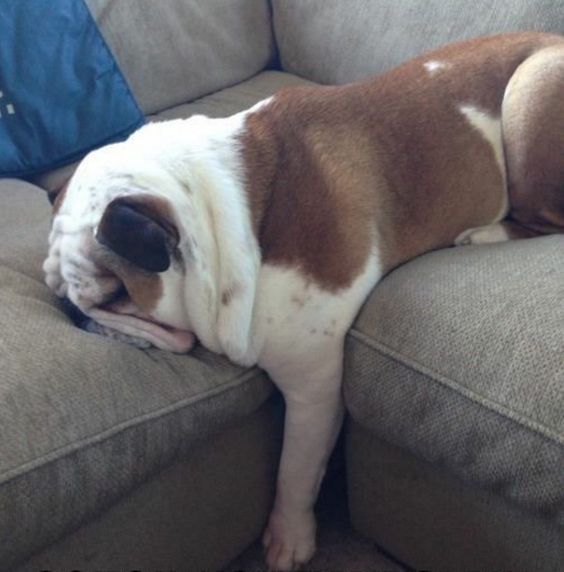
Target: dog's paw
x: 289, y: 542
x: 483, y: 235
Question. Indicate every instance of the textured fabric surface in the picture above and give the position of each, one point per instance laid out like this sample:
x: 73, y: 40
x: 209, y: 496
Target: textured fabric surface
x: 457, y: 356
x: 330, y: 41
x: 182, y: 520
x: 83, y: 420
x: 233, y: 99
x: 219, y: 104
x: 53, y: 181
x: 339, y: 547
x: 174, y: 51
x: 432, y: 521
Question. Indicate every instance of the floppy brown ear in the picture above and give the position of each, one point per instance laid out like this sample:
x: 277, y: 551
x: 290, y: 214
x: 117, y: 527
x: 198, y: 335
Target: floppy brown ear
x: 140, y: 229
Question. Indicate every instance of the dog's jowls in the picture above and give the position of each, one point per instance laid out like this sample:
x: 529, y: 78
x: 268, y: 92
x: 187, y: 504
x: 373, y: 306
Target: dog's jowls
x: 263, y: 233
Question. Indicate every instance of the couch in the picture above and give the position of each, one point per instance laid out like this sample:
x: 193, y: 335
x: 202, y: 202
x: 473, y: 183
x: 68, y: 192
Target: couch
x: 117, y: 458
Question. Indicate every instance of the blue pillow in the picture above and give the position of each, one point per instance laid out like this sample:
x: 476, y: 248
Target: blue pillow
x: 61, y: 91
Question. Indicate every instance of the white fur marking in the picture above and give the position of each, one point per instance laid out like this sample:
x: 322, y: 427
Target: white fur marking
x: 433, y: 66
x: 257, y: 106
x: 483, y: 235
x: 490, y: 128
x: 289, y: 306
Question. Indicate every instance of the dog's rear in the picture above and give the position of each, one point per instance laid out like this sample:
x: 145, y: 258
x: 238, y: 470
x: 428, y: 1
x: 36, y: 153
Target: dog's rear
x: 478, y: 134
x: 533, y: 128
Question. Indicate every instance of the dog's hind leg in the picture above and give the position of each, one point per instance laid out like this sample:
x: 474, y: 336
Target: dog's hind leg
x: 533, y: 133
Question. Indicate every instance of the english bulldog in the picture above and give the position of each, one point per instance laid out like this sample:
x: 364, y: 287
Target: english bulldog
x: 261, y: 234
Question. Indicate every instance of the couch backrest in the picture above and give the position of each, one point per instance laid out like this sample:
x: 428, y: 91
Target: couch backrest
x: 337, y: 41
x: 173, y: 51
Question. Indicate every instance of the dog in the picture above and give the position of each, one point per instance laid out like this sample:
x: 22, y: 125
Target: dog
x: 262, y: 234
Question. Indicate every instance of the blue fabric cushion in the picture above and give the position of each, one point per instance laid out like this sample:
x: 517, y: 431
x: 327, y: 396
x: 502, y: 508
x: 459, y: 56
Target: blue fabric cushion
x: 61, y: 92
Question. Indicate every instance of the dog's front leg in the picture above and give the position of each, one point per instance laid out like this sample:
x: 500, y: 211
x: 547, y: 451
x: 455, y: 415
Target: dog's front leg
x: 314, y: 414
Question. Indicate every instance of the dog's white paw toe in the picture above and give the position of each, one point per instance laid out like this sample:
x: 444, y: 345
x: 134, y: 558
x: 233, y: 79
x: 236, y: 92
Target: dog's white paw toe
x: 289, y: 542
x: 483, y: 235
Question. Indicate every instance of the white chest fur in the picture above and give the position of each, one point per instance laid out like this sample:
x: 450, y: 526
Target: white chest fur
x: 294, y: 316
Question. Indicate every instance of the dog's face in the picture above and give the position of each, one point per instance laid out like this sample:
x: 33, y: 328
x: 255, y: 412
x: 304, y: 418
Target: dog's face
x: 152, y: 237
x: 119, y: 251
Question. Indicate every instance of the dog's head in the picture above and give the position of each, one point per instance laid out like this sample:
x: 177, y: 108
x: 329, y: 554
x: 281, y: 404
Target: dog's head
x: 142, y: 247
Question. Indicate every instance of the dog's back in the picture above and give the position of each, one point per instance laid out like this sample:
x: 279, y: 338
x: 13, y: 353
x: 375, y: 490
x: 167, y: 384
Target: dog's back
x: 423, y: 149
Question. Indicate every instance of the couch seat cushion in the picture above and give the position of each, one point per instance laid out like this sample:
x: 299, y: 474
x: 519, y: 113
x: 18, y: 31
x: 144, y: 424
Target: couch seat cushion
x: 84, y: 419
x: 457, y: 357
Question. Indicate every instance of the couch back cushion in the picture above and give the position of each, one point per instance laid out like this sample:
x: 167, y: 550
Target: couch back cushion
x: 175, y: 51
x: 331, y: 41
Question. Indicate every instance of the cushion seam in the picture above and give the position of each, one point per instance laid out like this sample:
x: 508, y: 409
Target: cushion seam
x: 468, y: 393
x: 71, y: 448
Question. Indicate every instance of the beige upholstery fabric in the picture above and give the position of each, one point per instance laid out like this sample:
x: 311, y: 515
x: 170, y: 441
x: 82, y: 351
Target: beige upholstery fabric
x: 232, y: 100
x: 174, y: 51
x: 85, y: 420
x: 433, y: 521
x: 331, y: 41
x: 219, y: 104
x: 53, y: 181
x: 182, y: 519
x: 457, y: 357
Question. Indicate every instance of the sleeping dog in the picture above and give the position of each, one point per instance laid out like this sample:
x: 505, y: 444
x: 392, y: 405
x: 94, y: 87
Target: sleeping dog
x: 263, y: 233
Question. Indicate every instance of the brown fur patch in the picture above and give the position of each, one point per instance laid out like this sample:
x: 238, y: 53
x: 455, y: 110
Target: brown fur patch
x: 516, y: 231
x: 534, y: 129
x: 145, y: 289
x: 327, y: 166
x: 226, y: 297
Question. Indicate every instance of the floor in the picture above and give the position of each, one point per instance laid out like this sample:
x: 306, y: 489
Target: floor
x: 340, y: 549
